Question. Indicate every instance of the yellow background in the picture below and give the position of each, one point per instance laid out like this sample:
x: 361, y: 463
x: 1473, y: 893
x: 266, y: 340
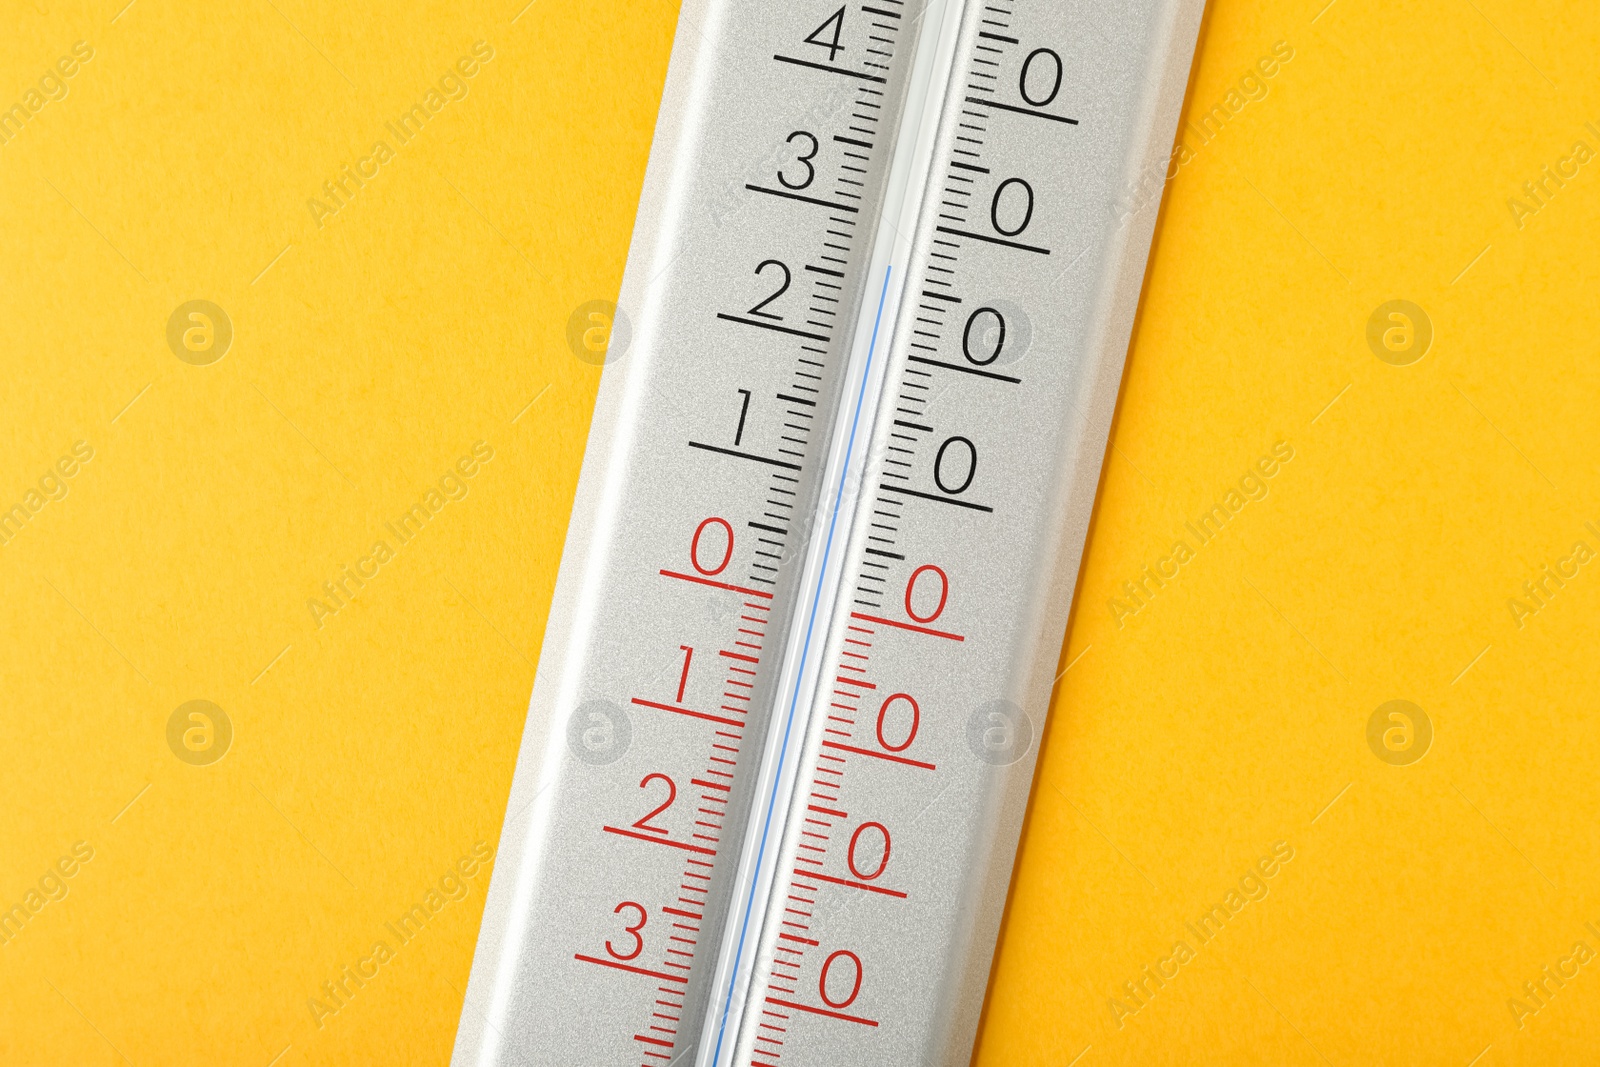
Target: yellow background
x: 372, y: 351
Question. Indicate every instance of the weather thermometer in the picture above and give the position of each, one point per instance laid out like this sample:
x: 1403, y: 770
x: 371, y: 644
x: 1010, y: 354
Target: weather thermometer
x: 802, y: 646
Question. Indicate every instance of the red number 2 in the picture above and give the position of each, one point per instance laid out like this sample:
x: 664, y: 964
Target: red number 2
x: 672, y: 794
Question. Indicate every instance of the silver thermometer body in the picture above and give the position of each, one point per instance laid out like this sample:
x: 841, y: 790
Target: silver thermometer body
x: 1008, y: 347
x: 676, y: 584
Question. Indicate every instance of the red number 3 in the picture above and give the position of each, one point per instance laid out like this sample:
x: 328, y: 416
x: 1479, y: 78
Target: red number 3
x: 638, y: 938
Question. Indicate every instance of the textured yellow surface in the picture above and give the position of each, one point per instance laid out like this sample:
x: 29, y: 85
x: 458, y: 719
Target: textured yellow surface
x: 1224, y: 709
x: 379, y: 337
x: 393, y: 336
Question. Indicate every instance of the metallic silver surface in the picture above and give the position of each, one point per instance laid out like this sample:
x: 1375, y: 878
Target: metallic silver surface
x: 657, y: 666
x: 919, y: 750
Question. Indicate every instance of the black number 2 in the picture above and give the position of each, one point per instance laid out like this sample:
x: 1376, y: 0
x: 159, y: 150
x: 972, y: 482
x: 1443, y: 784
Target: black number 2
x: 784, y: 288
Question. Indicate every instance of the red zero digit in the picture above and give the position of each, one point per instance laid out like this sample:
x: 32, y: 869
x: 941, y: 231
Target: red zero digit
x: 822, y: 982
x: 727, y: 552
x: 672, y: 794
x: 911, y: 586
x: 882, y: 863
x: 911, y: 734
x: 638, y: 939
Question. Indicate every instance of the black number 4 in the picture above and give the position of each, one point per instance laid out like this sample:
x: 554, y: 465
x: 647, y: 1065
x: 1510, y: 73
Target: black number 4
x: 835, y: 20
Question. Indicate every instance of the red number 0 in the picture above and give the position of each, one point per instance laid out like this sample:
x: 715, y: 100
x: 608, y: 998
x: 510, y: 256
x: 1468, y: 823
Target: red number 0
x: 822, y: 982
x: 672, y: 794
x: 916, y: 720
x: 911, y: 586
x: 727, y: 552
x: 850, y: 857
x: 638, y: 939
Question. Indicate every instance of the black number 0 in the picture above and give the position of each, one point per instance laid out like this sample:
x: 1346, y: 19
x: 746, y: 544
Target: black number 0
x: 994, y: 207
x: 1027, y: 66
x: 938, y: 465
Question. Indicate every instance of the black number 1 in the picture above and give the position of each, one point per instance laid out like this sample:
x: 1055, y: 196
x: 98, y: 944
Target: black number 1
x: 738, y: 435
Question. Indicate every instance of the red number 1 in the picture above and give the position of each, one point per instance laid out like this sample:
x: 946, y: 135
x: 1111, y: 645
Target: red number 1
x: 683, y: 680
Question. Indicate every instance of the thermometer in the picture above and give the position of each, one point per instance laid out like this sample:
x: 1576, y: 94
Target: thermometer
x: 829, y: 523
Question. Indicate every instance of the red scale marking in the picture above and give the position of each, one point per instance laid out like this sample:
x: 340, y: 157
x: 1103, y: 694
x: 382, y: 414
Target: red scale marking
x: 737, y: 684
x: 807, y: 877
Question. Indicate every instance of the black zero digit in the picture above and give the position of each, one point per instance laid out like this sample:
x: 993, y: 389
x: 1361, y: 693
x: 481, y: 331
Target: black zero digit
x: 1027, y: 66
x: 1000, y: 340
x: 994, y: 207
x: 938, y: 464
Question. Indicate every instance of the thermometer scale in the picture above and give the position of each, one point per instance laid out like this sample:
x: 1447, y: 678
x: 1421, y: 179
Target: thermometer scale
x: 879, y: 870
x: 778, y: 753
x: 678, y: 579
